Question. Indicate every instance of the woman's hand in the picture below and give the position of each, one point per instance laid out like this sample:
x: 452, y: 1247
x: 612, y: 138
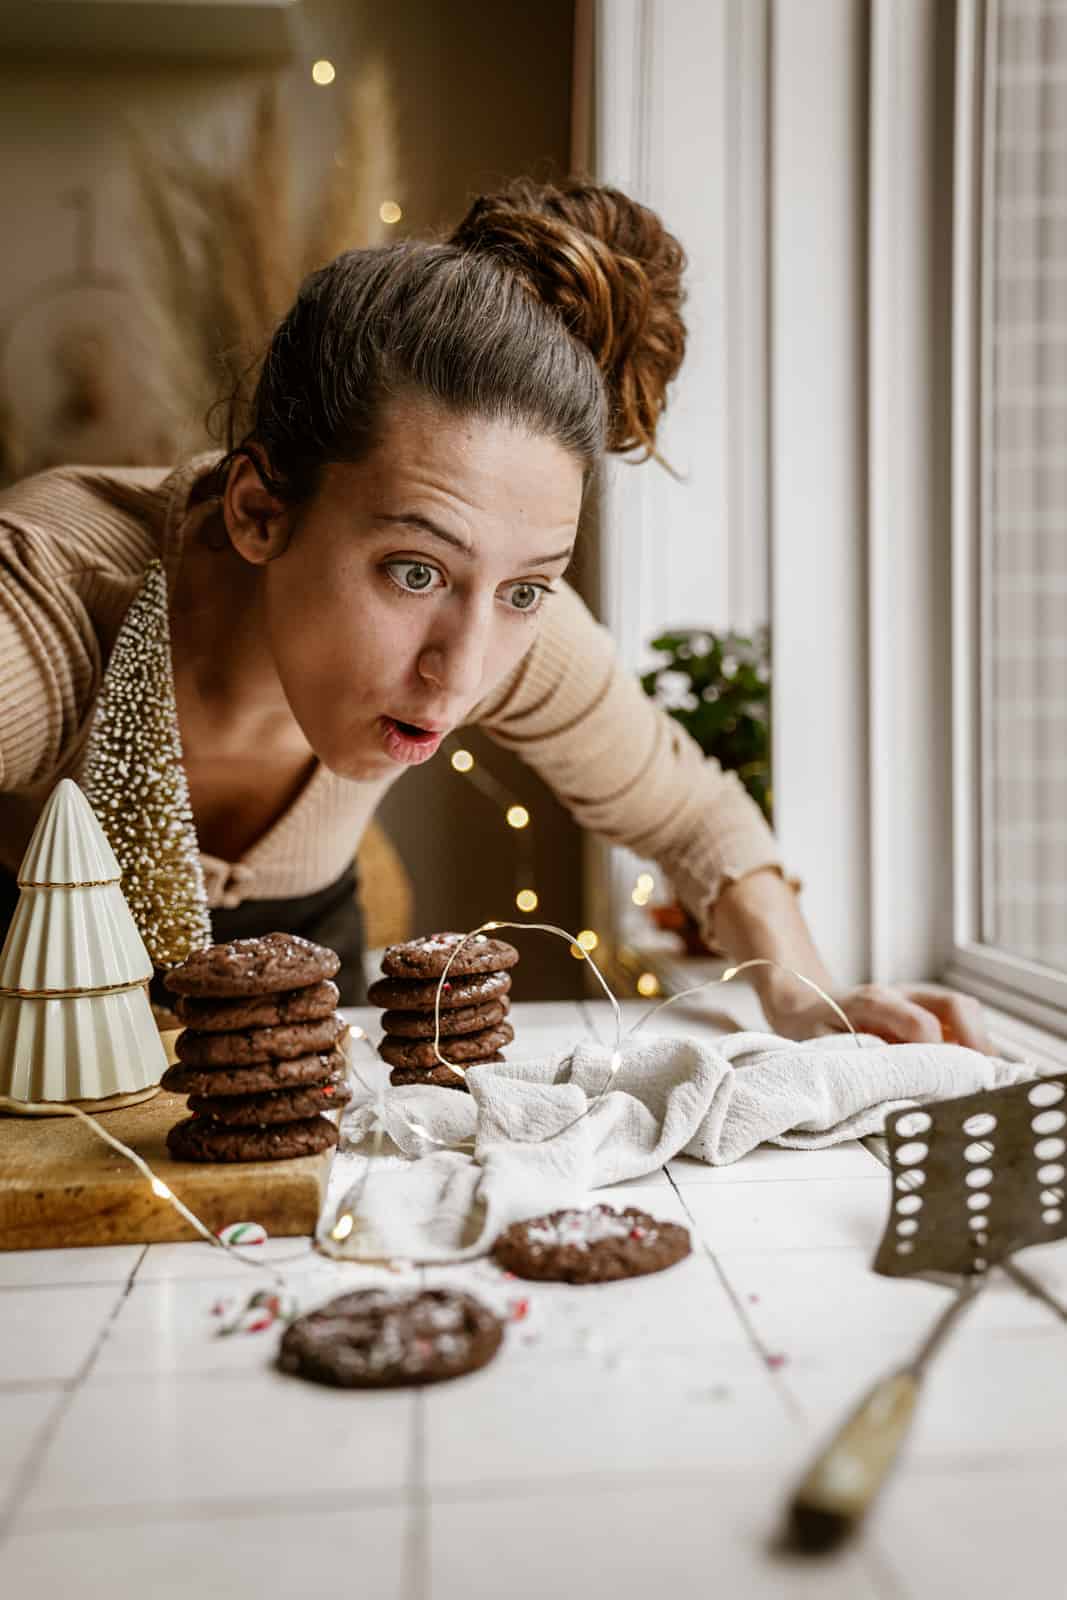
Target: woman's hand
x: 906, y: 1013
x: 757, y: 919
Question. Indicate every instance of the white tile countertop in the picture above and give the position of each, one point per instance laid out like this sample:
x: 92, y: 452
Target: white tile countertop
x: 630, y: 1438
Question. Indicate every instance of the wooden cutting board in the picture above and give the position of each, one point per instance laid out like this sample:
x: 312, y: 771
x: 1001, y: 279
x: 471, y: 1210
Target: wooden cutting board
x: 62, y: 1185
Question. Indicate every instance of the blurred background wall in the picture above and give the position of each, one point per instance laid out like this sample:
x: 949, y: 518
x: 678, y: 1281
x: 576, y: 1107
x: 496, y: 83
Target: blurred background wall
x: 429, y: 104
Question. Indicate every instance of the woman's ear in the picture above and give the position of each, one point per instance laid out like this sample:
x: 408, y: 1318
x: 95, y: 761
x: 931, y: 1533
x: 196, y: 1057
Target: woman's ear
x: 259, y: 523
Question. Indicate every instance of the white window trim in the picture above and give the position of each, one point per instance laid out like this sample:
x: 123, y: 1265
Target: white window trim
x: 679, y: 123
x: 908, y: 508
x: 817, y: 467
x: 1025, y: 988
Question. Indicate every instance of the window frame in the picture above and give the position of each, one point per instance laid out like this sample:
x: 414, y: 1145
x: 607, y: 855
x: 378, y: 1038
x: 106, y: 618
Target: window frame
x: 1024, y: 988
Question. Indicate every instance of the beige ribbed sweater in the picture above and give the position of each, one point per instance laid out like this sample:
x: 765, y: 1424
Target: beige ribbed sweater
x: 74, y: 546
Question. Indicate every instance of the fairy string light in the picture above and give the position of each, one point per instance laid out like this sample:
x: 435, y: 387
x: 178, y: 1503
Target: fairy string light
x: 729, y: 975
x: 163, y: 1191
x: 517, y: 817
x: 347, y: 1216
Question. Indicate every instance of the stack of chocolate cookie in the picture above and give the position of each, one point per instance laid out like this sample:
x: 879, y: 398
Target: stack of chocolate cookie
x: 474, y: 1005
x: 261, y: 1056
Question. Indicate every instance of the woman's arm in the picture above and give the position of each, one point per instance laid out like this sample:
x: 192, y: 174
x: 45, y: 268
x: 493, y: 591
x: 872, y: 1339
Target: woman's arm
x: 759, y: 916
x: 624, y: 768
x: 73, y: 545
x: 629, y: 772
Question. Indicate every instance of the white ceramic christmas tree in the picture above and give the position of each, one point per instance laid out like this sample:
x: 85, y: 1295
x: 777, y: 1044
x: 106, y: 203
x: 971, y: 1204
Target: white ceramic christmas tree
x: 75, y: 1021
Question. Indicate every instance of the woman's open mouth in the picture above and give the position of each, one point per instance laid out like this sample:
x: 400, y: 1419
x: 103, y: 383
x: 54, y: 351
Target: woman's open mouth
x: 407, y: 742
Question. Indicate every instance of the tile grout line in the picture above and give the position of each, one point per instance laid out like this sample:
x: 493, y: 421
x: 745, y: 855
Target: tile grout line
x: 417, y: 1533
x: 879, y: 1571
x: 786, y: 1394
x: 86, y: 1283
x: 141, y: 1512
x: 879, y: 1567
x: 419, y: 1580
x: 43, y: 1442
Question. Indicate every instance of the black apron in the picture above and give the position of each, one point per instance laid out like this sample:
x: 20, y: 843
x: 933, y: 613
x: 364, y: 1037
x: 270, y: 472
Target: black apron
x: 331, y: 917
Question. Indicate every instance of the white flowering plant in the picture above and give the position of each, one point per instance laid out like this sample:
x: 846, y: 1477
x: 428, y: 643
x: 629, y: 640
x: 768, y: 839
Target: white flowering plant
x: 718, y: 686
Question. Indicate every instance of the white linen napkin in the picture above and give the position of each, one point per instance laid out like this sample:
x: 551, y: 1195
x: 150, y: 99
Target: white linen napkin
x: 530, y: 1149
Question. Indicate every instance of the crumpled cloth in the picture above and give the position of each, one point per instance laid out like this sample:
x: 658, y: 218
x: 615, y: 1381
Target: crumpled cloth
x: 529, y: 1149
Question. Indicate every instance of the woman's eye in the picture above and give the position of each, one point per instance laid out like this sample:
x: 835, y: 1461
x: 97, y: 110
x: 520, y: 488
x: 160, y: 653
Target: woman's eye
x: 527, y: 596
x: 414, y: 576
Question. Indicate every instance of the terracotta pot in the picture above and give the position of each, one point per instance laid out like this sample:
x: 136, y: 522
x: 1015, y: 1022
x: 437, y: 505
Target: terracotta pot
x: 674, y: 918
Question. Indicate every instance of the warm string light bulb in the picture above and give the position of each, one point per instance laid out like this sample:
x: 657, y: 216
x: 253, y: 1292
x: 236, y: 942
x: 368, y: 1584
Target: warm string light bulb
x: 389, y: 211
x: 348, y: 1212
x: 323, y: 73
x: 516, y: 815
x: 642, y: 889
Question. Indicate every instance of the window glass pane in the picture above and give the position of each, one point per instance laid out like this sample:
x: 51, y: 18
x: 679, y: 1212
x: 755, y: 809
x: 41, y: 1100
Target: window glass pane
x: 1024, y: 485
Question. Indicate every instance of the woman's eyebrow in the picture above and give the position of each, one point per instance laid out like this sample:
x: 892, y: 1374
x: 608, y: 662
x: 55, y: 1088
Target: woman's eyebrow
x: 413, y: 519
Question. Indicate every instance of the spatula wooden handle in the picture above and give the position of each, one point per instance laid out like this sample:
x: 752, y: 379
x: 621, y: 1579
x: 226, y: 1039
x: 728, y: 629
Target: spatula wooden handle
x: 846, y: 1476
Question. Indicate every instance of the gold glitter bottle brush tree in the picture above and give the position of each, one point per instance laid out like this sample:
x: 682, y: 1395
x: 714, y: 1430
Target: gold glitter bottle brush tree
x: 135, y: 781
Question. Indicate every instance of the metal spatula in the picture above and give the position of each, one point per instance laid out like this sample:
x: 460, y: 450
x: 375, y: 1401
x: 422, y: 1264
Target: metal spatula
x: 973, y: 1181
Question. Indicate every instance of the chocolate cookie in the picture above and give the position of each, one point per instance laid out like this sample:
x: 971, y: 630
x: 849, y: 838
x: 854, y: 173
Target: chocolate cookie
x: 311, y: 1004
x: 593, y: 1246
x: 468, y: 1047
x: 437, y: 1077
x: 409, y: 994
x: 275, y: 1105
x: 377, y: 1339
x: 427, y: 958
x: 283, y: 1043
x: 197, y: 1139
x: 268, y: 965
x: 464, y: 1019
x: 257, y: 1079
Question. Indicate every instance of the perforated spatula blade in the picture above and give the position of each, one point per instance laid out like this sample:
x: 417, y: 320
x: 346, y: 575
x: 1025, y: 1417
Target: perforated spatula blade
x: 973, y: 1180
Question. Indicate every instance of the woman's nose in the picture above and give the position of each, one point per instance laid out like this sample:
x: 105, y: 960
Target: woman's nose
x: 455, y: 665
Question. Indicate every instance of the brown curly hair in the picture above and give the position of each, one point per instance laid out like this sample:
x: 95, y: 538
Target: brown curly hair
x: 555, y: 308
x: 609, y: 267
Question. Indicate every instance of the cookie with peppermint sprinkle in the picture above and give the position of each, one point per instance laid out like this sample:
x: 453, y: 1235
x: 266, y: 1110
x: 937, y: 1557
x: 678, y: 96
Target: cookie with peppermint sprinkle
x: 378, y: 1339
x: 428, y: 957
x: 598, y: 1245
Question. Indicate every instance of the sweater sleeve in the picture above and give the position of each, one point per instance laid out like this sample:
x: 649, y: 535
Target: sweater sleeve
x: 621, y: 765
x: 73, y: 542
x: 49, y: 656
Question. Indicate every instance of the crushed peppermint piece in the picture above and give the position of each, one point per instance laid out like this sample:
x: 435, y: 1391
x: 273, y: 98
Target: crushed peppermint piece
x: 243, y: 1233
x: 580, y: 1229
x: 590, y: 1245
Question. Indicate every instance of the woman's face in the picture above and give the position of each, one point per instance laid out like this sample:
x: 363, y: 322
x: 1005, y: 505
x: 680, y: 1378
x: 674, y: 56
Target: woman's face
x: 414, y: 581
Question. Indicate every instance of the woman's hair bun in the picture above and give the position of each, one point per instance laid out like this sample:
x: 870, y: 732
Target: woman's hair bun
x: 611, y: 270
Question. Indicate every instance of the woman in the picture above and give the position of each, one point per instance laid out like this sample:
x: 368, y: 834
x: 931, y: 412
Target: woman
x: 379, y: 559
